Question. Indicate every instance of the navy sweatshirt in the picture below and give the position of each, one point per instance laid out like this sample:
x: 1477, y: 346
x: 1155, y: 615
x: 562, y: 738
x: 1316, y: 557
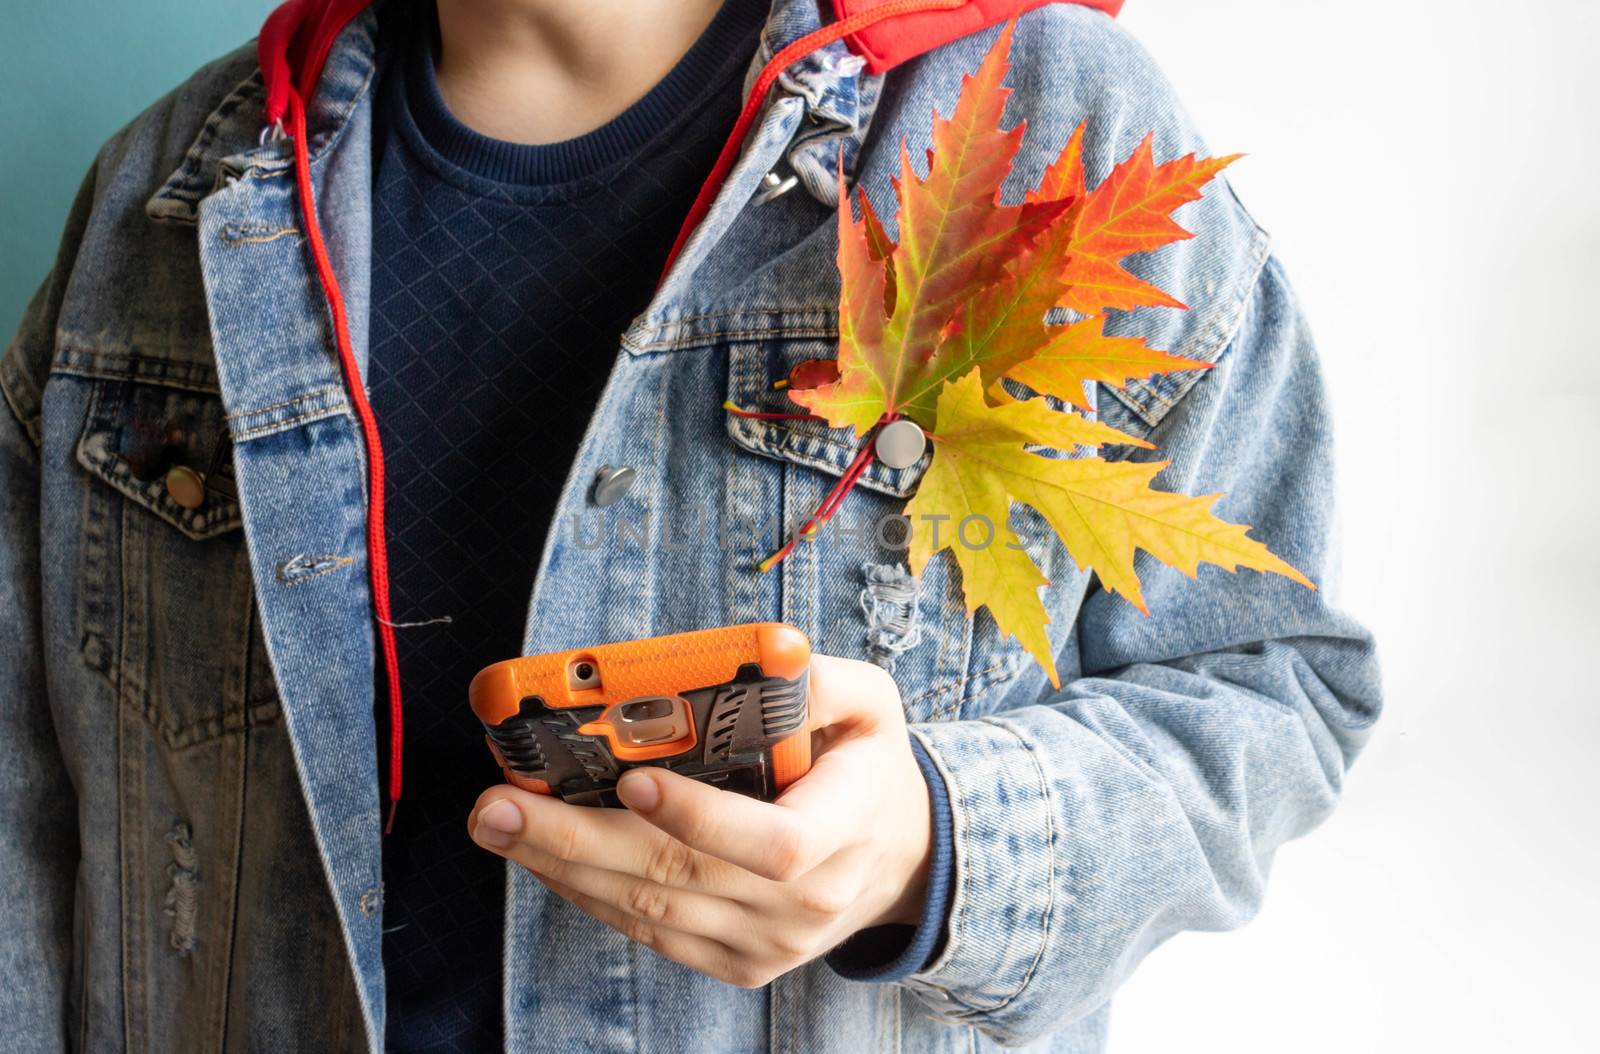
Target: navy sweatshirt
x: 503, y: 276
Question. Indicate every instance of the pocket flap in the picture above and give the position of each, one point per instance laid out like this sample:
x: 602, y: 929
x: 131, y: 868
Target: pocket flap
x: 753, y: 366
x: 137, y: 433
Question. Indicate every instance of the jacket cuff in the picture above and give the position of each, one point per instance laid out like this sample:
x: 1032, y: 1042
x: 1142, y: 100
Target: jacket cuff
x: 1004, y: 885
x: 894, y: 951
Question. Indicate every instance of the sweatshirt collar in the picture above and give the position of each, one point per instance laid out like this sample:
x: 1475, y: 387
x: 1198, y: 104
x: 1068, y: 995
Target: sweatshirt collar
x: 709, y: 69
x: 233, y: 141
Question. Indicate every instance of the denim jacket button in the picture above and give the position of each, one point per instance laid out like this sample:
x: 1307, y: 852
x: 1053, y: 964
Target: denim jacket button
x: 900, y: 443
x: 186, y: 487
x: 773, y: 185
x: 610, y: 484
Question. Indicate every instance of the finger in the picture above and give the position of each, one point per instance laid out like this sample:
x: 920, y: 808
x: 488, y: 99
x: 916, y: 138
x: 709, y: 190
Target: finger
x: 814, y: 817
x: 779, y: 841
x: 682, y: 910
x: 710, y: 957
x: 609, y: 839
x: 850, y: 693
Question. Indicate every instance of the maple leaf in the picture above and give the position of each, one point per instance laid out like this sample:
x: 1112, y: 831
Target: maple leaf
x: 930, y: 325
x: 1080, y: 353
x: 955, y: 237
x: 1129, y: 212
x: 1063, y: 177
x: 1101, y: 510
x: 971, y: 279
x: 810, y: 373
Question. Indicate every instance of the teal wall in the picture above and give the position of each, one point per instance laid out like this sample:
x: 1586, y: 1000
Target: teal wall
x: 71, y: 73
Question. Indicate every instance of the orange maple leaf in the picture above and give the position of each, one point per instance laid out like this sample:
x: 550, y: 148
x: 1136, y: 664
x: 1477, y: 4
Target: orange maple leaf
x: 955, y: 236
x: 1130, y: 212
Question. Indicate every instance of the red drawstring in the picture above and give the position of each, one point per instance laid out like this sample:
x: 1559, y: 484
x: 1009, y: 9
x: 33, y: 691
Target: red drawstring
x: 830, y: 502
x: 377, y: 549
x: 758, y: 92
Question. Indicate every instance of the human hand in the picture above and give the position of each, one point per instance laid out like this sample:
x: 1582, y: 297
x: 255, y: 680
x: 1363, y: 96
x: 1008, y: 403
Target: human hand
x: 739, y: 889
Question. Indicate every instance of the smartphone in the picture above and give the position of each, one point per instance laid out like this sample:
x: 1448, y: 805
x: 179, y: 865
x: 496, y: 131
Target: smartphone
x: 724, y: 706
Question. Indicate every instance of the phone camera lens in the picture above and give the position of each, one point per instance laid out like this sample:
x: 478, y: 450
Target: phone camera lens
x: 583, y: 675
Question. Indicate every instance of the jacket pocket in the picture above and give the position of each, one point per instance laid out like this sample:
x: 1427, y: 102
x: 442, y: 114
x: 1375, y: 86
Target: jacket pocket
x: 166, y: 590
x: 850, y: 588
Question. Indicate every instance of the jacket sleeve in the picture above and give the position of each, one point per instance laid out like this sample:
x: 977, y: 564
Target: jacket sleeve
x: 1148, y: 796
x: 38, y: 807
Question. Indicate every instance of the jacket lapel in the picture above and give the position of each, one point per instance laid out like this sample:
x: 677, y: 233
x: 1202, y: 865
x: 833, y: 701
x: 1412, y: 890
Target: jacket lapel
x: 300, y: 471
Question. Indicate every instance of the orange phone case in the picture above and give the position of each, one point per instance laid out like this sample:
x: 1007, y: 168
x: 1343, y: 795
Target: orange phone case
x: 724, y: 706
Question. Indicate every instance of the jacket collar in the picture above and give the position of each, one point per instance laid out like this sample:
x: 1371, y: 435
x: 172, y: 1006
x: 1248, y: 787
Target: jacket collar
x: 234, y: 140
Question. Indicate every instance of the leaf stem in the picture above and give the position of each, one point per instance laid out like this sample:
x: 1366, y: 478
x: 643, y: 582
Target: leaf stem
x: 830, y: 502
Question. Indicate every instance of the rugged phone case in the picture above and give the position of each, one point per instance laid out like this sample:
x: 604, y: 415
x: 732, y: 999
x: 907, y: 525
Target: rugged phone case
x: 724, y: 706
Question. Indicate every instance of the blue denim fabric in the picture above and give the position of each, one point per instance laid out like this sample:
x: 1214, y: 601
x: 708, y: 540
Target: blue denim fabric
x: 189, y: 813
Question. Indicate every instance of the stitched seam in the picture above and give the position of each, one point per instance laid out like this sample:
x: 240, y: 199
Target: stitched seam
x: 316, y: 394
x: 1004, y: 663
x: 157, y: 372
x: 28, y: 418
x: 237, y: 238
x: 759, y: 432
x: 111, y: 469
x: 821, y: 437
x: 1050, y: 863
x: 709, y: 339
x: 1216, y: 339
x: 942, y: 657
x: 279, y: 426
x: 874, y: 478
x: 180, y: 187
x: 959, y: 931
x: 951, y: 687
x: 797, y: 310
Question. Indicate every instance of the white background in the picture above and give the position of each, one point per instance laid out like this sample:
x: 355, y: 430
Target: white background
x: 1429, y: 173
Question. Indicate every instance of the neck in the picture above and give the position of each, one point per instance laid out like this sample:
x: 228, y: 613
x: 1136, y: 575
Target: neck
x: 540, y: 71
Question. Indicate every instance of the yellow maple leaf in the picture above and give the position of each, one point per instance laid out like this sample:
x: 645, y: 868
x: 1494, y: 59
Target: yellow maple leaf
x: 1080, y: 353
x: 1103, y: 511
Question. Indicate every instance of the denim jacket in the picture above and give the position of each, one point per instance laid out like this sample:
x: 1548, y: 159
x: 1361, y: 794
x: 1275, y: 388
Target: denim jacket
x: 189, y: 786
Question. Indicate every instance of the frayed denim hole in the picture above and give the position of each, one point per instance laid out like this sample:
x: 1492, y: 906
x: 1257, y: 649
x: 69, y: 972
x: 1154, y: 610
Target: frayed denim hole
x: 300, y: 567
x: 183, y: 893
x: 889, y: 601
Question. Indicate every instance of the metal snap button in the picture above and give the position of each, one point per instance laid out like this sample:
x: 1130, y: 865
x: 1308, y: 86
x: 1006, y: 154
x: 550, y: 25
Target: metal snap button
x: 900, y: 443
x: 773, y: 185
x: 186, y: 486
x: 610, y: 484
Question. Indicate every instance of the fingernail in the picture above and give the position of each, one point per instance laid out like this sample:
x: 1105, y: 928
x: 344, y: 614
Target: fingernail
x: 638, y: 791
x: 497, y: 823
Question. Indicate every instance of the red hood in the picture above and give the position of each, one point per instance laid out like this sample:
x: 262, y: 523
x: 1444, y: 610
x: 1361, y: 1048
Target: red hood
x: 297, y: 36
x: 888, y: 43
